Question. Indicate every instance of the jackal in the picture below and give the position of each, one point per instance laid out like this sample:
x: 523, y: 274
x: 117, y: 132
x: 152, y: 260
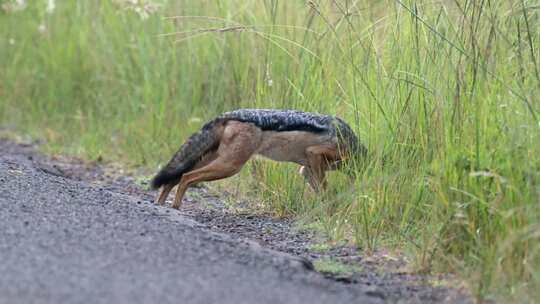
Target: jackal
x: 221, y: 148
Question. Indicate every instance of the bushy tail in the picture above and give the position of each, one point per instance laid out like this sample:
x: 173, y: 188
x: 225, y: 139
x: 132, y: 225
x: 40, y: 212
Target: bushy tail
x: 195, y: 147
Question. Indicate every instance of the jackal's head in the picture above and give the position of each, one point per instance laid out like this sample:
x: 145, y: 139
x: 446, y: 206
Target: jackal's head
x: 351, y: 148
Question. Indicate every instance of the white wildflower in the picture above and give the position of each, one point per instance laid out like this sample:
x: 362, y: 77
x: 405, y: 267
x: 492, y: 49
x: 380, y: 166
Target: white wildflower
x: 143, y: 8
x: 11, y: 41
x: 42, y: 28
x: 14, y: 6
x: 141, y: 12
x: 268, y: 77
x: 51, y: 5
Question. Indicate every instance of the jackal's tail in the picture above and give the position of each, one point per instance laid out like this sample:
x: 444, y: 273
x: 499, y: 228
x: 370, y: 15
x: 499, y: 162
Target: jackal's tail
x: 192, y: 151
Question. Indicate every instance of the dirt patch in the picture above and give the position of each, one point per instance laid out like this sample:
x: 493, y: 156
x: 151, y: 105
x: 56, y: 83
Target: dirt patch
x: 382, y: 272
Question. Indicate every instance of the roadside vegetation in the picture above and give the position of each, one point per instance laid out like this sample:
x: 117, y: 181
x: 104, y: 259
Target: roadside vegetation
x: 445, y: 95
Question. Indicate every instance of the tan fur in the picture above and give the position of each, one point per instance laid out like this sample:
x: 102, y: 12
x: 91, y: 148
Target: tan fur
x: 316, y: 153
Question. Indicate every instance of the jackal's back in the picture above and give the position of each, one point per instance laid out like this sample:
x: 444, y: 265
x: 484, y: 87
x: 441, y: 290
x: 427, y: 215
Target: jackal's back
x: 281, y: 120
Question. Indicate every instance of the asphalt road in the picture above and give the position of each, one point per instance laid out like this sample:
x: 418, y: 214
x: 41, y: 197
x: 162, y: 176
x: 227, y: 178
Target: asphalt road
x: 62, y: 241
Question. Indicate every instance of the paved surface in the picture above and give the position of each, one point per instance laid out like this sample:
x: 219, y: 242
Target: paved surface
x: 62, y: 241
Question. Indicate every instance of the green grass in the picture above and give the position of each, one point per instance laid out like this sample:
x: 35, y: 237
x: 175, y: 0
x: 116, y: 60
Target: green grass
x: 334, y: 267
x: 446, y: 92
x: 320, y: 247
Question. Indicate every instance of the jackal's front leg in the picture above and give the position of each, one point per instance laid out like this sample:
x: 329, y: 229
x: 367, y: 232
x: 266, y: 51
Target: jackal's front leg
x: 318, y: 163
x: 316, y: 182
x: 308, y: 177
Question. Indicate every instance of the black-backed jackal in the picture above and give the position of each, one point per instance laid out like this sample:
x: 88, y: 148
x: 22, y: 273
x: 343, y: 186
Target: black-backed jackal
x: 221, y: 148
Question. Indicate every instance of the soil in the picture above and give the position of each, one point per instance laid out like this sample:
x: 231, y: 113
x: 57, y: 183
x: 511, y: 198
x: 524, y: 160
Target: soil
x: 386, y: 275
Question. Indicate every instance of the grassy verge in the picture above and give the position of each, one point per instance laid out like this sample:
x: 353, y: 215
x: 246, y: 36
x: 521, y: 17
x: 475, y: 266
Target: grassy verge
x: 334, y: 267
x: 445, y: 91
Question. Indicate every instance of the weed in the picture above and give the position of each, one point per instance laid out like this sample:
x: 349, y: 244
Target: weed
x: 331, y: 266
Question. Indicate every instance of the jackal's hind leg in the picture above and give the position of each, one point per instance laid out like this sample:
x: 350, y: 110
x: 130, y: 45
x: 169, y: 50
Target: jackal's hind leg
x: 164, y: 193
x: 218, y: 169
x: 239, y: 142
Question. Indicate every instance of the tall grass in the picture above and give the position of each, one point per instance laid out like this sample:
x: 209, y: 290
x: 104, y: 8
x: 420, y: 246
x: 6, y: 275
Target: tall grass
x: 446, y: 92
